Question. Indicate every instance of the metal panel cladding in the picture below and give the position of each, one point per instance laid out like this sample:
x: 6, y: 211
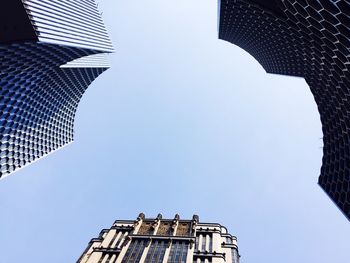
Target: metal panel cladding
x: 310, y: 39
x: 44, y: 71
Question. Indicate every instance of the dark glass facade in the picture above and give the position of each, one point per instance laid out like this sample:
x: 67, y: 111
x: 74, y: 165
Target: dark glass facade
x: 178, y: 252
x: 309, y: 39
x: 134, y: 252
x: 44, y: 71
x: 156, y: 251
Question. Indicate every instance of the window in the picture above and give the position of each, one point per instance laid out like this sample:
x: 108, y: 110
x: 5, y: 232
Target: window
x: 210, y: 239
x: 204, y: 242
x: 134, y: 252
x: 178, y: 252
x: 156, y: 252
x: 196, y: 244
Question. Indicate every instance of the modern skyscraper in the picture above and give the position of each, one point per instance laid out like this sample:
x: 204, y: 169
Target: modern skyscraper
x: 50, y: 52
x: 309, y: 39
x: 158, y: 240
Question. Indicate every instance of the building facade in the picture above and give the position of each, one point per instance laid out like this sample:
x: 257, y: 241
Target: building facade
x: 158, y: 240
x: 50, y: 52
x: 309, y: 39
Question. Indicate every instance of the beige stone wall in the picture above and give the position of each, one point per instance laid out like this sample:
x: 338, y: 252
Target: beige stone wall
x: 117, y: 240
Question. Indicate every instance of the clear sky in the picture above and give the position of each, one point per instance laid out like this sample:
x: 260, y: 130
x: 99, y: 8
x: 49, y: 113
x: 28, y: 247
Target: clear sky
x: 182, y: 123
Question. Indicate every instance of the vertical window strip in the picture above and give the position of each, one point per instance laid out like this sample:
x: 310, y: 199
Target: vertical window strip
x: 134, y: 252
x: 178, y: 252
x: 172, y: 252
x: 210, y: 243
x: 161, y: 252
x: 204, y: 242
x: 196, y: 244
x: 156, y: 252
x: 151, y: 250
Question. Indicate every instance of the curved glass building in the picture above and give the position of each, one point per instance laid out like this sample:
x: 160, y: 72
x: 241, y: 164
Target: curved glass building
x: 50, y: 52
x: 309, y: 39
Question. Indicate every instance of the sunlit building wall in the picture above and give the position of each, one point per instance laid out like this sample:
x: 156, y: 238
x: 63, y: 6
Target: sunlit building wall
x: 158, y: 240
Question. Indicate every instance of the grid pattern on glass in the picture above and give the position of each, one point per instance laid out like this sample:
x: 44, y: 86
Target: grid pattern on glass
x: 156, y: 252
x: 38, y: 100
x: 178, y: 252
x: 134, y: 252
x: 310, y: 41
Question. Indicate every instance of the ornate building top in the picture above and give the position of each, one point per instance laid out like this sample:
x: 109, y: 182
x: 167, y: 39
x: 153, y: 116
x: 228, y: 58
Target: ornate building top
x: 159, y: 240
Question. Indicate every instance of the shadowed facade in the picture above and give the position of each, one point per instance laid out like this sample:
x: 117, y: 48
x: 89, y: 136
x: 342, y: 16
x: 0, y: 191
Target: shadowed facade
x: 309, y: 39
x: 50, y: 52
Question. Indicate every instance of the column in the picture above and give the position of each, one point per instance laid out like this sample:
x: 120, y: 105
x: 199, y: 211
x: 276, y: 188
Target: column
x: 116, y: 239
x: 95, y: 257
x: 145, y: 251
x: 124, y: 249
x: 108, y: 238
x: 167, y: 252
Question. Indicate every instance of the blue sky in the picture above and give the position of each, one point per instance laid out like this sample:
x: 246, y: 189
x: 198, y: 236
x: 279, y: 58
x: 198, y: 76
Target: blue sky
x: 182, y: 123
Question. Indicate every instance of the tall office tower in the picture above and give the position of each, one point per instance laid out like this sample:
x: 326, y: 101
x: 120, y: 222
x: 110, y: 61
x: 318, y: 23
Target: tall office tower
x: 309, y: 39
x: 158, y: 240
x: 50, y: 52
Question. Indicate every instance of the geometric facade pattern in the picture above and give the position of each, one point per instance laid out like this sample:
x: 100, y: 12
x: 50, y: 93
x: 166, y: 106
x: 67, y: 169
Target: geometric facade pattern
x: 44, y: 72
x: 309, y: 39
x: 158, y: 240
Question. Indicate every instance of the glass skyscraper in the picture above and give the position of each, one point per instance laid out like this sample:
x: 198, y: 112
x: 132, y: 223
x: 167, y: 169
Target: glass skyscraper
x: 50, y: 52
x: 309, y: 39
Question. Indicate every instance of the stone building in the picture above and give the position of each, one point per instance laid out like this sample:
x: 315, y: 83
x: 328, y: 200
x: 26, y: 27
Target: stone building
x: 158, y: 240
